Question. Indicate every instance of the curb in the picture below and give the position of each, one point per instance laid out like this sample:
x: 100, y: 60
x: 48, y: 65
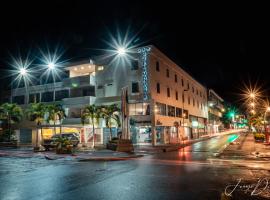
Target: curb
x: 108, y: 158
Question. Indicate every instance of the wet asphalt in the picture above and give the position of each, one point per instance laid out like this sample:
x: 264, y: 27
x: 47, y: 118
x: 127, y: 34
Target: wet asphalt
x: 189, y: 173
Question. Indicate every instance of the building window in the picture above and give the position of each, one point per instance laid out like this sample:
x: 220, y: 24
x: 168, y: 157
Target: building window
x: 176, y: 95
x: 47, y: 97
x: 197, y: 91
x: 139, y: 109
x: 201, y: 106
x: 160, y: 108
x: 100, y: 68
x: 183, y: 82
x: 178, y: 112
x: 188, y: 85
x: 198, y: 105
x: 18, y: 99
x: 135, y: 87
x: 185, y: 114
x: 167, y: 73
x: 168, y: 92
x: 61, y: 94
x: 193, y: 102
x: 157, y: 66
x: 88, y: 91
x: 192, y: 89
x: 200, y: 94
x: 34, y: 98
x: 171, y: 111
x: 183, y: 97
x: 134, y: 65
x: 158, y: 88
x: 175, y: 78
x: 188, y: 100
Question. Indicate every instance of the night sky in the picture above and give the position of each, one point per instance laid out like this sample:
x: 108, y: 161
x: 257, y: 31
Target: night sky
x: 222, y: 46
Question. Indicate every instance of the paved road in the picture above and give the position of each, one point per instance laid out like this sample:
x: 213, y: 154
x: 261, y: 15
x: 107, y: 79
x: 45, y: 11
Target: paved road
x: 190, y: 173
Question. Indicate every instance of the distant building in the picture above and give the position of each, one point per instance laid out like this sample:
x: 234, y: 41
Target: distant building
x: 216, y: 109
x: 166, y: 104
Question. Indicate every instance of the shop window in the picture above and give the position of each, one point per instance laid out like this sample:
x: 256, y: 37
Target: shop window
x: 139, y: 109
x: 171, y: 111
x: 160, y: 108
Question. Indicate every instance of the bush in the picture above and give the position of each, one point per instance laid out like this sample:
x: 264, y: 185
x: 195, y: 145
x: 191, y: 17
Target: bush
x: 259, y: 136
x: 7, y: 135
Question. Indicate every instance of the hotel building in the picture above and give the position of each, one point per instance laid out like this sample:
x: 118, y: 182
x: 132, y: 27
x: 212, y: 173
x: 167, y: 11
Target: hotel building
x: 166, y: 104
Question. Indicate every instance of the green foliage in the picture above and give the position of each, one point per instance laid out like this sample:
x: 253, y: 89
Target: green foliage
x: 36, y: 112
x: 56, y: 112
x: 10, y: 113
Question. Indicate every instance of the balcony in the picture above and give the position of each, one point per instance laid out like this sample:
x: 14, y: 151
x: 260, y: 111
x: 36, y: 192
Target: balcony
x: 79, y: 81
x: 78, y: 101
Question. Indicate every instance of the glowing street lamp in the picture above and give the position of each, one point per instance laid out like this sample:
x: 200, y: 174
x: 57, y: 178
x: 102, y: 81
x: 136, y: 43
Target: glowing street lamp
x: 121, y: 51
x: 22, y: 71
x: 252, y: 104
x: 51, y: 65
x: 252, y: 95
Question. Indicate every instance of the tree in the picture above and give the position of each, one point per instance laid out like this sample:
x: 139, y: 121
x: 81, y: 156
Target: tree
x: 36, y: 113
x: 110, y: 114
x: 10, y: 113
x: 56, y: 112
x: 93, y: 113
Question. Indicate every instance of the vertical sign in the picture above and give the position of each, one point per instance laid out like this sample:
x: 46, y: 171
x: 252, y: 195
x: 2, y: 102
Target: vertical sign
x: 144, y: 51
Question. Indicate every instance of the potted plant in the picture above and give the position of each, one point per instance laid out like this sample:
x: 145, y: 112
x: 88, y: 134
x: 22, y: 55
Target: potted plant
x: 63, y: 146
x: 259, y: 137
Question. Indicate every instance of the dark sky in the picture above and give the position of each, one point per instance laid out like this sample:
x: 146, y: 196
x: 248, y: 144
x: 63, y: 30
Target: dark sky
x: 222, y: 46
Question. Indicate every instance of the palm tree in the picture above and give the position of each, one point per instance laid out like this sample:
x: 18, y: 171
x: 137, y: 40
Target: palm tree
x: 93, y: 113
x: 36, y: 112
x: 10, y: 113
x: 56, y: 112
x: 110, y: 115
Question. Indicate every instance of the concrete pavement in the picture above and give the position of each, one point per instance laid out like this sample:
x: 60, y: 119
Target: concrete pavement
x: 174, y: 147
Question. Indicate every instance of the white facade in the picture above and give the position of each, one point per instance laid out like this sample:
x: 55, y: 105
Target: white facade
x: 156, y: 88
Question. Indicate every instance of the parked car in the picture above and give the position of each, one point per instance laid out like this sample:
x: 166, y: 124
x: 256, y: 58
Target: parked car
x: 51, y: 143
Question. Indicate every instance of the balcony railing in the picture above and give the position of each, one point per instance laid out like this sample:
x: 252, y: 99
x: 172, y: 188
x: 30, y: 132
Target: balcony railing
x: 79, y: 81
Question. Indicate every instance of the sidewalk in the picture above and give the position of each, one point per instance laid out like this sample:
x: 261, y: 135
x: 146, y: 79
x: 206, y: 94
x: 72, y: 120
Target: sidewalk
x: 246, y: 147
x: 174, y: 147
x: 99, y: 155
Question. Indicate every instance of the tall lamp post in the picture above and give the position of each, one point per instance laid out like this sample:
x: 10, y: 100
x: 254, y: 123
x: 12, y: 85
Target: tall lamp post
x: 183, y: 113
x: 264, y: 118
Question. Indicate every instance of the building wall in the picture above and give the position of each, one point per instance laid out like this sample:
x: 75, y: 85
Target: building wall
x: 199, y: 109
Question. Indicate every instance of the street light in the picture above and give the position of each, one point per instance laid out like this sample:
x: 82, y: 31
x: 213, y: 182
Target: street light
x: 121, y: 51
x: 51, y: 65
x: 252, y: 95
x: 252, y: 104
x: 22, y: 71
x: 264, y: 117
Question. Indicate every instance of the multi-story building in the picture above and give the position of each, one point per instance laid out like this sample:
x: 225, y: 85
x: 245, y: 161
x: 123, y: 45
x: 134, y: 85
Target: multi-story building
x: 216, y: 109
x: 166, y: 104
